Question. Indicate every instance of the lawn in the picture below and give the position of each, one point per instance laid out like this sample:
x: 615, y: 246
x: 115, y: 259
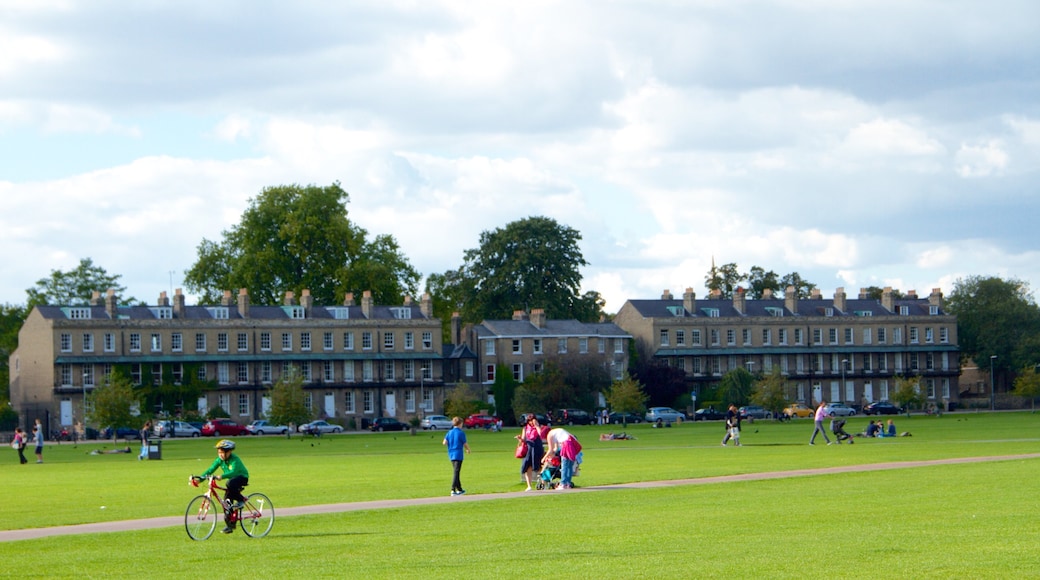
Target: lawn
x: 967, y: 521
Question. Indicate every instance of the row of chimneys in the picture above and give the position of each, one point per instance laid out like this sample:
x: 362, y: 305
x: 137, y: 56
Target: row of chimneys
x: 306, y: 300
x: 888, y: 301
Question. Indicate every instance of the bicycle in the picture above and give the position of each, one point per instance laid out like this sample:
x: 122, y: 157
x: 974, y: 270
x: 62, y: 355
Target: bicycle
x: 255, y: 516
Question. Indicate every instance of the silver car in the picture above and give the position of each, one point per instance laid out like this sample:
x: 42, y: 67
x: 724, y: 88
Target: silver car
x: 666, y: 414
x: 839, y: 410
x: 434, y: 422
x: 175, y: 429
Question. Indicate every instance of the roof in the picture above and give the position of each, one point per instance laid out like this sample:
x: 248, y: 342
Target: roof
x: 525, y: 328
x: 661, y: 308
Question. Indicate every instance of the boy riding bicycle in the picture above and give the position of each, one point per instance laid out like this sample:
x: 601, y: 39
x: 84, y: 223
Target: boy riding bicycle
x: 234, y: 471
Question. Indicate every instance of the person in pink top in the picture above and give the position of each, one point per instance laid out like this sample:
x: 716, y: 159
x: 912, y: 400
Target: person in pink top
x: 532, y: 435
x: 821, y: 414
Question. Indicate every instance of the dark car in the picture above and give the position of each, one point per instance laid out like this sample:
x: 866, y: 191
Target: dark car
x: 753, y: 412
x: 623, y: 418
x: 224, y: 428
x: 388, y: 424
x: 121, y: 433
x: 571, y: 417
x: 709, y: 414
x: 881, y: 408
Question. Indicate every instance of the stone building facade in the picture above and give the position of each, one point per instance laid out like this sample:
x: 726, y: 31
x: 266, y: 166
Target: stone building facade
x: 838, y: 349
x: 357, y: 360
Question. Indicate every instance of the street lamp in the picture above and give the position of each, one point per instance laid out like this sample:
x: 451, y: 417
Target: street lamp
x: 992, y: 396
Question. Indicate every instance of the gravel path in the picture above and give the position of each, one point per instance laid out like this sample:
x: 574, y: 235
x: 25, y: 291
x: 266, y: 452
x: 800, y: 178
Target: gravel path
x: 171, y: 521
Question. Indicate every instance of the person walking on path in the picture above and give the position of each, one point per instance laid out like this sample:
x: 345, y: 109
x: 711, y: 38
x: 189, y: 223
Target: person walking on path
x: 732, y: 426
x: 455, y: 441
x: 532, y: 435
x: 38, y: 439
x: 19, y: 444
x: 821, y: 414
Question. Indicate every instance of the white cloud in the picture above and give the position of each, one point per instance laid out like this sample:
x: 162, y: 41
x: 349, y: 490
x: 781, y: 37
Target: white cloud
x: 981, y: 160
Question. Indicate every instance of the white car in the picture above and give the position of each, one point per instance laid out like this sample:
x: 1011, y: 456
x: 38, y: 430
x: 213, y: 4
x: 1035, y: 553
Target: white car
x: 839, y: 410
x: 262, y: 427
x: 319, y: 427
x: 666, y: 414
x: 175, y: 429
x: 434, y: 422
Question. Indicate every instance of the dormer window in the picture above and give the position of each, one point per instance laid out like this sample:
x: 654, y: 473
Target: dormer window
x: 338, y: 312
x: 162, y: 312
x: 863, y: 313
x: 904, y: 310
x: 676, y: 310
x: 828, y: 312
x: 933, y: 310
x: 774, y: 311
x: 77, y: 313
x: 218, y: 312
x: 295, y: 312
x: 401, y: 313
x: 710, y: 312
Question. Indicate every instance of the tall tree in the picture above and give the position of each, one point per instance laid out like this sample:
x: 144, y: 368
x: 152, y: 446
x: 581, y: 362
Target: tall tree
x: 802, y: 287
x: 1027, y: 385
x: 725, y: 279
x: 531, y: 263
x: 771, y: 392
x: 112, y: 404
x: 504, y: 390
x: 875, y: 293
x: 626, y: 396
x: 75, y: 287
x: 11, y: 319
x: 907, y: 393
x: 760, y: 280
x: 288, y: 401
x: 294, y: 238
x: 735, y: 387
x: 995, y: 317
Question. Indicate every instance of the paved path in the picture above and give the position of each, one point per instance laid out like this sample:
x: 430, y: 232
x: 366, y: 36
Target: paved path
x: 147, y: 524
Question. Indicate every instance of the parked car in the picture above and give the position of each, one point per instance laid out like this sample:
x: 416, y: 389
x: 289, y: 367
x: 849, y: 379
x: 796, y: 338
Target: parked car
x: 881, y: 408
x: 319, y: 427
x: 571, y: 417
x: 477, y: 420
x: 121, y: 433
x: 175, y: 429
x: 434, y: 422
x: 837, y: 409
x: 666, y: 414
x: 797, y: 410
x: 709, y: 414
x: 753, y: 412
x: 223, y: 428
x: 262, y: 427
x: 623, y: 418
x: 543, y: 419
x: 388, y: 424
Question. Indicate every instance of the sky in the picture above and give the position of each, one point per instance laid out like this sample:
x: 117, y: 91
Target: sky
x: 858, y: 143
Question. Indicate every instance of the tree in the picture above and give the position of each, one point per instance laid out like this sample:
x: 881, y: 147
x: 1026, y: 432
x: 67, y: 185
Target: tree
x: 995, y: 317
x: 526, y: 401
x: 504, y: 389
x: 875, y: 293
x: 551, y: 389
x: 75, y: 287
x: 463, y: 400
x: 907, y: 392
x: 531, y: 263
x: 759, y: 280
x: 11, y: 319
x: 1027, y: 384
x: 724, y: 279
x: 735, y: 387
x: 294, y: 238
x: 112, y: 404
x: 802, y: 288
x: 626, y: 396
x: 664, y: 384
x: 770, y: 392
x: 288, y: 402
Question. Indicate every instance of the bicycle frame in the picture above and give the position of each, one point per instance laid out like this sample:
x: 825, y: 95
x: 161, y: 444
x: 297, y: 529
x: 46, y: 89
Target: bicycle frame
x: 256, y: 515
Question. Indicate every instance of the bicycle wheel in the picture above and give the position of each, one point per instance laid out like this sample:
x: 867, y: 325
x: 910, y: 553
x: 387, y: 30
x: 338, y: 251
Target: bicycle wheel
x: 201, y: 518
x: 257, y: 516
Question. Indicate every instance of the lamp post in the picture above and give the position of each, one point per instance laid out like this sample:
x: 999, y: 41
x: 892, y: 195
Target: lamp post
x: 844, y: 363
x: 992, y: 386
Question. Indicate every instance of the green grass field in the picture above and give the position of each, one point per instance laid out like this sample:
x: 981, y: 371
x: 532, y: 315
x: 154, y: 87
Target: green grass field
x: 960, y: 521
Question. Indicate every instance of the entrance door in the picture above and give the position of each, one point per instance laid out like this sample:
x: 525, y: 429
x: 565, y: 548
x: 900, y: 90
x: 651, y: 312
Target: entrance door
x: 66, y: 412
x: 330, y: 405
x: 391, y: 405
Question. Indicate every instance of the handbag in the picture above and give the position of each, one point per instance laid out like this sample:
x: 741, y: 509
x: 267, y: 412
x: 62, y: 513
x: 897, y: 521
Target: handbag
x: 521, y: 450
x: 15, y: 444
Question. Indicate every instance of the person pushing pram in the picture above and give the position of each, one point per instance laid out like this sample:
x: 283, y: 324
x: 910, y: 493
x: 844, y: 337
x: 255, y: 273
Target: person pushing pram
x: 838, y: 428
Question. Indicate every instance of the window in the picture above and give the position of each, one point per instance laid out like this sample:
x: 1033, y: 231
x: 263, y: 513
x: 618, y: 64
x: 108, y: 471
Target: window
x: 731, y: 336
x: 338, y: 312
x: 470, y: 367
x: 388, y: 340
x: 849, y: 339
x: 243, y: 373
x: 222, y: 342
x: 695, y: 337
x: 348, y: 341
x: 348, y: 402
x: 664, y: 337
x: 774, y: 311
x: 162, y: 312
x: 295, y: 312
x: 409, y: 401
x: 305, y: 371
x: 176, y: 342
x: 409, y: 370
x: 867, y: 338
x: 782, y: 335
x: 66, y: 375
x: 200, y: 373
x: 243, y: 404
x: 426, y: 368
x: 696, y: 365
x: 178, y: 373
x: 798, y: 338
x: 680, y: 338
x: 348, y: 371
x: 135, y: 374
x: 817, y: 336
x: 866, y: 363
x: 489, y: 373
x: 223, y: 374
x: 77, y: 313
x: 110, y: 342
x: 326, y: 341
x: 714, y: 337
x: 583, y: 345
x: 156, y: 374
x: 619, y: 345
x: 881, y: 336
x: 328, y: 374
x: 366, y: 401
x: 767, y: 336
x: 518, y: 372
x: 904, y: 310
x: 561, y: 345
x: 517, y: 349
x: 389, y: 371
x: 913, y: 335
x: 427, y: 340
x: 745, y: 335
x: 832, y: 335
x: 88, y: 343
x: 366, y: 371
x: 929, y: 361
x: 265, y: 341
x: 218, y: 312
x: 305, y: 341
x: 409, y: 340
x: 366, y: 340
x: 243, y: 342
x: 536, y: 346
x: 929, y: 338
x: 933, y: 310
x: 135, y: 342
x: 427, y: 400
x: 710, y: 312
x: 882, y: 363
x: 944, y: 335
x: 489, y: 347
x: 286, y: 341
x: 914, y: 362
x: 401, y: 312
x: 265, y: 372
x: 66, y: 342
x: 156, y: 342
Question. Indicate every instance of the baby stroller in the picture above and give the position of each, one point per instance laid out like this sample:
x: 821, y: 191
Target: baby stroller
x: 838, y: 428
x: 550, y: 476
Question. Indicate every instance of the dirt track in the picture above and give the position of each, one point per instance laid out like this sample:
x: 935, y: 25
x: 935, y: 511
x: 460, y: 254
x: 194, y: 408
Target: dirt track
x: 130, y: 525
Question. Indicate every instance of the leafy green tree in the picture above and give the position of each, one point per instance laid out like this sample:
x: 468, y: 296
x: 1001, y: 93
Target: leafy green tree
x: 802, y: 287
x: 294, y: 238
x: 586, y: 378
x: 725, y: 279
x: 504, y: 389
x: 463, y: 400
x: 1027, y: 385
x: 11, y: 319
x: 527, y: 401
x: 907, y: 393
x: 759, y: 280
x: 531, y: 263
x: 770, y: 392
x: 626, y: 396
x: 288, y: 401
x: 663, y: 383
x: 75, y: 287
x: 552, y: 389
x: 735, y: 387
x: 112, y: 404
x: 875, y: 293
x: 996, y: 317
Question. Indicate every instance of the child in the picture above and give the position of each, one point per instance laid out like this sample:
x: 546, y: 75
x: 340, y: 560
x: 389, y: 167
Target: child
x: 838, y: 428
x: 19, y: 439
x: 455, y: 441
x: 237, y: 476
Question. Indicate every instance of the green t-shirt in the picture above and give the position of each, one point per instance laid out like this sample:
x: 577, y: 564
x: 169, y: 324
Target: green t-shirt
x: 233, y: 467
